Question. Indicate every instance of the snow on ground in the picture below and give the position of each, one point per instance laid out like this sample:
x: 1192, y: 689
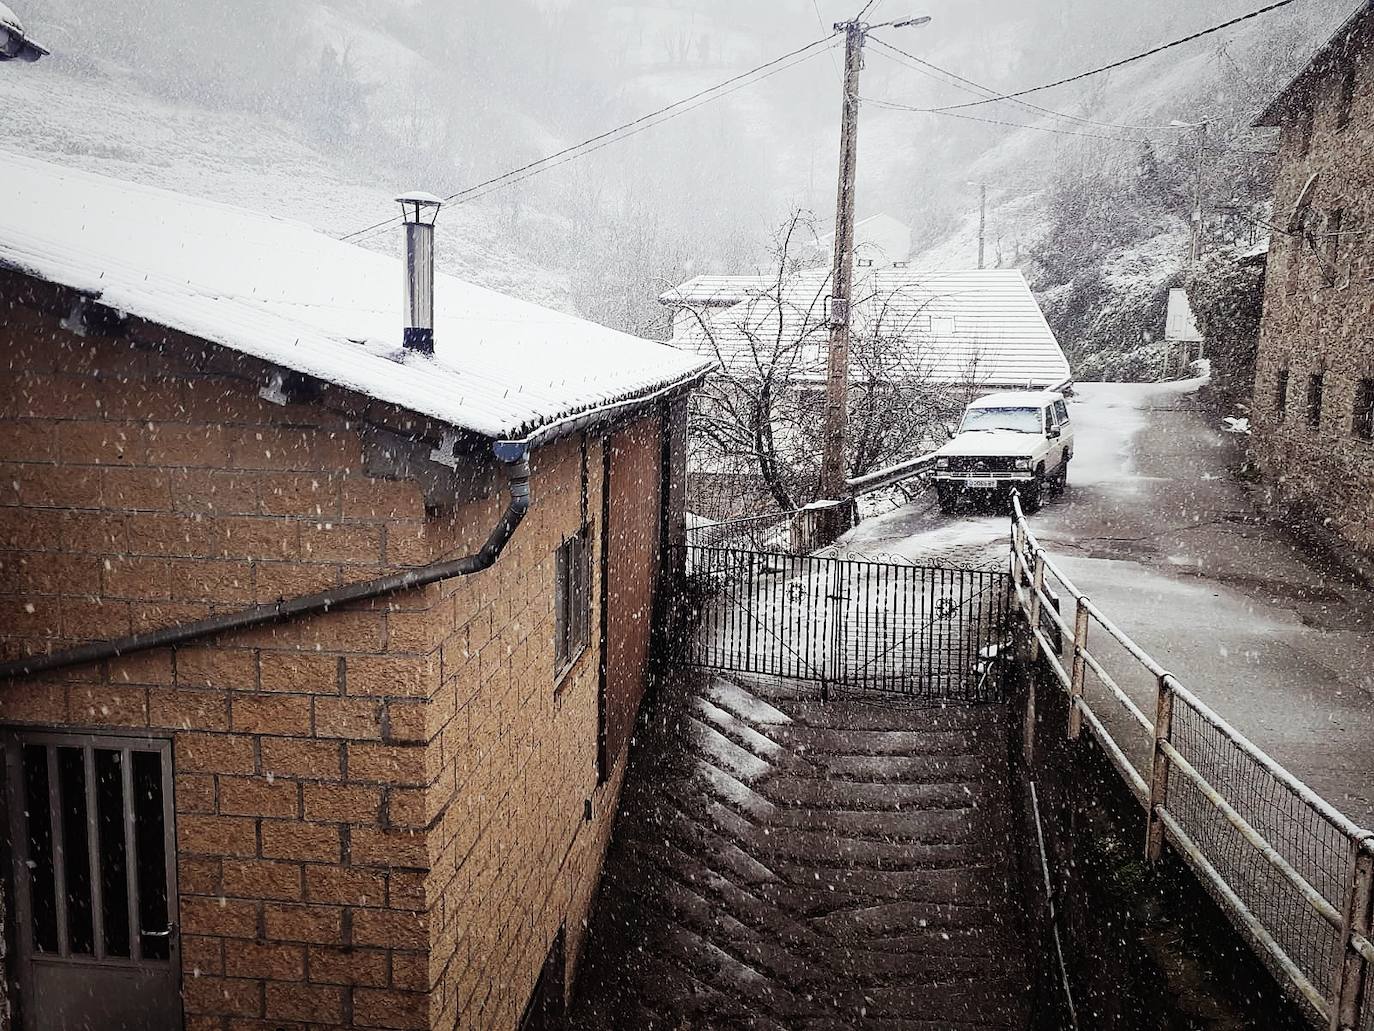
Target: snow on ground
x: 1159, y: 533
x: 264, y: 164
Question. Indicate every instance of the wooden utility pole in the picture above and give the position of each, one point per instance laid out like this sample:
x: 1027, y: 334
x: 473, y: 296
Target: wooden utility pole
x: 834, y: 481
x: 833, y: 467
x: 1195, y: 245
x: 982, y: 220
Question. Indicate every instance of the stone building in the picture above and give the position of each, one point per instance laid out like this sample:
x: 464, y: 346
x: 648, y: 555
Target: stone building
x: 309, y: 720
x: 1314, y: 376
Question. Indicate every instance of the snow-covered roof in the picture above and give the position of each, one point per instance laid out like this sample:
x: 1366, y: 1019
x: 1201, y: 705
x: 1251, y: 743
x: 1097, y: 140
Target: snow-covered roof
x: 711, y: 291
x: 1015, y: 398
x: 14, y: 41
x: 280, y: 291
x: 980, y: 327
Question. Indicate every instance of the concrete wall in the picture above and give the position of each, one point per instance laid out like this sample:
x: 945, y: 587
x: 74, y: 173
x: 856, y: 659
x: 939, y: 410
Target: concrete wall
x: 379, y: 811
x: 1311, y: 325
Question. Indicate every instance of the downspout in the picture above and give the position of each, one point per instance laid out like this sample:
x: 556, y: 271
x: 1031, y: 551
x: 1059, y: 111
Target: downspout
x: 514, y: 458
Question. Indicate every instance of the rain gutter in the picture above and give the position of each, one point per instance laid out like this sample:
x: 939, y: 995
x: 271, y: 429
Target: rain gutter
x: 514, y: 458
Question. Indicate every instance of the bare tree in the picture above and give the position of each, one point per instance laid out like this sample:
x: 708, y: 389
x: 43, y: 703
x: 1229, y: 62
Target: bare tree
x: 759, y: 416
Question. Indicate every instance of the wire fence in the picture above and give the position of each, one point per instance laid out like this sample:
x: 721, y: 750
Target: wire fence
x: 1293, y: 874
x: 923, y: 632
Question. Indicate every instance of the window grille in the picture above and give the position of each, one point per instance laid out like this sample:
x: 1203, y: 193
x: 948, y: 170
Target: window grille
x: 1346, y: 98
x: 572, y: 601
x: 1315, y: 383
x: 1362, y: 423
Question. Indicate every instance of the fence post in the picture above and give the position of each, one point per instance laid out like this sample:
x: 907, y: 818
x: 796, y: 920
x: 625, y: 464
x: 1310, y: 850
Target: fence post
x: 1080, y: 665
x: 1037, y: 585
x: 1159, y: 772
x: 1351, y: 976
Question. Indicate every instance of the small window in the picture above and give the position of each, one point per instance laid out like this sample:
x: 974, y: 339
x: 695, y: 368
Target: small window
x: 1315, y: 383
x: 1335, y: 219
x: 1281, y: 394
x: 1346, y: 97
x: 572, y: 601
x: 1061, y: 410
x: 1306, y: 120
x: 1362, y: 423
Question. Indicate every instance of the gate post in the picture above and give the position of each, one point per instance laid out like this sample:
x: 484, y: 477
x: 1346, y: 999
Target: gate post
x: 1037, y: 585
x: 1159, y: 772
x: 1351, y: 977
x: 1080, y: 663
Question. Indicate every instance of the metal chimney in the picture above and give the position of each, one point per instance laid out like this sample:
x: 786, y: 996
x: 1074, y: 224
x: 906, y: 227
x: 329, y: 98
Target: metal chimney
x: 420, y: 211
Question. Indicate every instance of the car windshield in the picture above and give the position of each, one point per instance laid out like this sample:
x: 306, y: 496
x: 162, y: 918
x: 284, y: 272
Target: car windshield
x: 1021, y: 420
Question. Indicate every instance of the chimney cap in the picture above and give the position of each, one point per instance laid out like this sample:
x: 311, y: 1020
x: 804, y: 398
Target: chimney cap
x: 420, y: 207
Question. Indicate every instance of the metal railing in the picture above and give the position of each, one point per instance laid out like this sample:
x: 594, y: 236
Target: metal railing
x: 769, y: 532
x: 1294, y: 875
x: 923, y: 632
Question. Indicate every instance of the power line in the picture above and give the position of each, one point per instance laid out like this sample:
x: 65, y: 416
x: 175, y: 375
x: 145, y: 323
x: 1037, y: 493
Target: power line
x: 469, y: 196
x: 620, y: 132
x: 867, y: 7
x: 892, y: 105
x: 989, y: 94
x: 1123, y: 61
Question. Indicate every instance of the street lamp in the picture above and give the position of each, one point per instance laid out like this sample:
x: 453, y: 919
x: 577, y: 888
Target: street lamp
x: 15, y: 44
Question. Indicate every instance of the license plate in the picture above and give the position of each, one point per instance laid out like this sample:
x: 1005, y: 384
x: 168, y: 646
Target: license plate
x: 981, y: 483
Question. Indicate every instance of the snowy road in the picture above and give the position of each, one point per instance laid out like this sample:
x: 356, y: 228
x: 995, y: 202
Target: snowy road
x: 1158, y: 531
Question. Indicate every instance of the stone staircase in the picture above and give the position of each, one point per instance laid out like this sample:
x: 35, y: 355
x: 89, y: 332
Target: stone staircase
x: 780, y: 863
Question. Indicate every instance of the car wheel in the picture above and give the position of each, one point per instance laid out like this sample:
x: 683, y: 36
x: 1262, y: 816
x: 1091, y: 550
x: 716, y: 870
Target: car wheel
x: 1061, y: 479
x: 1034, y: 493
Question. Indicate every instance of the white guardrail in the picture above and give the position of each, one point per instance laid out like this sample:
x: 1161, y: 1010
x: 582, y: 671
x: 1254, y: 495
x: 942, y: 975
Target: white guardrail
x: 1294, y: 875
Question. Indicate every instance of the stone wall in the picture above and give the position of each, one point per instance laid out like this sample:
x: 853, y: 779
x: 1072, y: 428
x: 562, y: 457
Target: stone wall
x: 1318, y: 311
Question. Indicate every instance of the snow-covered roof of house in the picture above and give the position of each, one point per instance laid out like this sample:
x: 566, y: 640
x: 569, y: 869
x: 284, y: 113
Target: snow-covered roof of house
x: 717, y: 291
x: 282, y: 292
x: 1179, y: 323
x: 979, y: 327
x: 1327, y: 55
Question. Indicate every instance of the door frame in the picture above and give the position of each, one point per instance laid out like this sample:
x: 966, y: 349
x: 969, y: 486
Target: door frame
x: 20, y: 976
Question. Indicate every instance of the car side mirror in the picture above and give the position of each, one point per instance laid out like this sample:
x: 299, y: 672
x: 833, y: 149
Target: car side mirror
x: 1053, y: 434
x: 951, y: 429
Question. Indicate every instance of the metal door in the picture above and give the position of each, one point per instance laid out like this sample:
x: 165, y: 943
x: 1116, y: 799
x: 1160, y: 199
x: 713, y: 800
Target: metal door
x: 91, y: 826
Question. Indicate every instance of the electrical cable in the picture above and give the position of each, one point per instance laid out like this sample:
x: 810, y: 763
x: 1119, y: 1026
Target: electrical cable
x: 468, y: 196
x: 892, y: 105
x: 614, y: 135
x: 995, y: 96
x: 1125, y: 60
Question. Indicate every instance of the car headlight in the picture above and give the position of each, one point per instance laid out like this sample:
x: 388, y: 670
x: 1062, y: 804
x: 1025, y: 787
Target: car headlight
x: 1023, y: 464
x: 942, y: 463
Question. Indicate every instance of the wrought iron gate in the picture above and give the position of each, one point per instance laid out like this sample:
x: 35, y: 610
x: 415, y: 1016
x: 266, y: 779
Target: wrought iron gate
x: 924, y: 632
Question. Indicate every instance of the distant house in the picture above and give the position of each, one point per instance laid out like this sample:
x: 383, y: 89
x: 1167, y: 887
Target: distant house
x: 935, y: 337
x: 319, y: 655
x: 975, y: 329
x: 1313, y: 413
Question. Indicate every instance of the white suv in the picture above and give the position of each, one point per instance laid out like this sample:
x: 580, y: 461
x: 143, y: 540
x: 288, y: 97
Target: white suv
x: 1022, y: 440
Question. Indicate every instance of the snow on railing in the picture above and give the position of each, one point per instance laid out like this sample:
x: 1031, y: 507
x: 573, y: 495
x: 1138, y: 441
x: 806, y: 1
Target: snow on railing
x: 1292, y: 872
x: 892, y: 474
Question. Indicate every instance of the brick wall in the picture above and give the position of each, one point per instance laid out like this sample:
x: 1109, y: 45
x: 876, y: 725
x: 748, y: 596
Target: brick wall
x: 379, y: 811
x: 1324, y: 472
